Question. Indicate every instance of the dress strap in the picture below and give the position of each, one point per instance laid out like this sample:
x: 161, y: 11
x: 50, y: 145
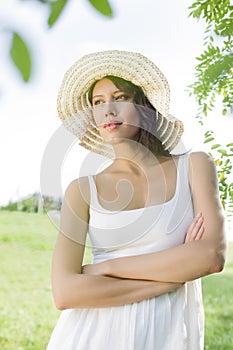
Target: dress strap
x: 180, y: 176
x: 93, y: 192
x: 184, y: 171
x: 182, y: 204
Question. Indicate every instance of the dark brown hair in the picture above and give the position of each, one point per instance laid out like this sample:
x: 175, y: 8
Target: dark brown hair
x: 148, y: 120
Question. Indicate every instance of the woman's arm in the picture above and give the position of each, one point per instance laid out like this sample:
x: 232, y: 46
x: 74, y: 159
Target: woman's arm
x: 195, y: 258
x: 73, y: 289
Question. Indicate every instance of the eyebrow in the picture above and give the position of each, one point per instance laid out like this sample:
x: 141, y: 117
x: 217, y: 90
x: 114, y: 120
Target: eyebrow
x: 97, y: 96
x: 112, y: 93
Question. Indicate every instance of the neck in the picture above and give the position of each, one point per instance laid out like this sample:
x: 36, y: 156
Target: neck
x: 131, y: 154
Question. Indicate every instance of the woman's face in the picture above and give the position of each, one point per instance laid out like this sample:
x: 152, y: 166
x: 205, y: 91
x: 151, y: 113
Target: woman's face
x: 114, y: 112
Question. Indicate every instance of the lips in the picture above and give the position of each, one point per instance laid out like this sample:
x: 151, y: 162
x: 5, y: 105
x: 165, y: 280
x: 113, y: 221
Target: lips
x: 112, y: 124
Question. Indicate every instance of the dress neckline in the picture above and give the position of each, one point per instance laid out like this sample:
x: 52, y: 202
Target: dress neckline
x: 142, y: 208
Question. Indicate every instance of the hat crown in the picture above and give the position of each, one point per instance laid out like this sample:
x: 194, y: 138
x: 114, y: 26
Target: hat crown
x: 131, y: 66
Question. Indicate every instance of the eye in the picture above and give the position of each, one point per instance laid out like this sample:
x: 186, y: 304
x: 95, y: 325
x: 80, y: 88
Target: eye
x: 122, y: 97
x: 97, y: 102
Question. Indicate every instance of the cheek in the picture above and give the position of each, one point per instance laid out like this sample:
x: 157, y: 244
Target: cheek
x: 131, y: 117
x: 126, y: 112
x: 97, y: 116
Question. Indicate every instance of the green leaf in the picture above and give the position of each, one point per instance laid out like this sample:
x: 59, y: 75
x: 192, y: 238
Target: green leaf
x: 223, y: 152
x: 215, y: 146
x: 102, y: 6
x: 208, y: 133
x: 227, y: 161
x: 209, y: 139
x: 56, y: 8
x: 21, y: 57
x: 229, y: 144
x: 224, y: 111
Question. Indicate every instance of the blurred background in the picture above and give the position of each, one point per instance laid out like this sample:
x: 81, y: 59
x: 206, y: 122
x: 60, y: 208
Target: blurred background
x: 56, y: 36
x: 190, y: 41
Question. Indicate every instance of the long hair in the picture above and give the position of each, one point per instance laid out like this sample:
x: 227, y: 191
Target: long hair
x: 147, y: 127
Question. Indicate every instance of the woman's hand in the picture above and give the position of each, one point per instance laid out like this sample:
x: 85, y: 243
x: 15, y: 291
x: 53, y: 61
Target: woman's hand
x: 196, y: 229
x: 194, y: 233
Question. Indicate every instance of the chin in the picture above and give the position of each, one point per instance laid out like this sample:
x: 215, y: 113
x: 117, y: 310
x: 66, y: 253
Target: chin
x: 114, y: 140
x: 119, y: 140
x: 116, y: 136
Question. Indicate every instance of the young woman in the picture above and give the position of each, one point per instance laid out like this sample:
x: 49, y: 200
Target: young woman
x: 154, y: 219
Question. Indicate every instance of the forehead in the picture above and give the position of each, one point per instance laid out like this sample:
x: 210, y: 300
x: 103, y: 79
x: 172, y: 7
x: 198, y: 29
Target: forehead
x: 104, y: 85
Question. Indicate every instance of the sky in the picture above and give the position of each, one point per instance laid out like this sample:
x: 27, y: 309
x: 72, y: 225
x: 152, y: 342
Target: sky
x: 30, y: 128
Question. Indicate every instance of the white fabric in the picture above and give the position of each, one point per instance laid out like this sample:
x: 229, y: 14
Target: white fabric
x: 171, y: 321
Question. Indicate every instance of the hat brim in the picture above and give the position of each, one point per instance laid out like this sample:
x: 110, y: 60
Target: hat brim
x: 74, y: 107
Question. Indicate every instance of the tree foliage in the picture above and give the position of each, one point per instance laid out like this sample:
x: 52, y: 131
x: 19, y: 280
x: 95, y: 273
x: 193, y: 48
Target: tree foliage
x: 214, y: 72
x: 20, y: 52
x: 102, y: 6
x: 20, y: 55
x: 56, y: 8
x: 222, y: 156
x: 214, y: 76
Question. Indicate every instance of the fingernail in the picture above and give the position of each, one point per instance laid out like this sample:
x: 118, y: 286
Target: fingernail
x: 199, y: 215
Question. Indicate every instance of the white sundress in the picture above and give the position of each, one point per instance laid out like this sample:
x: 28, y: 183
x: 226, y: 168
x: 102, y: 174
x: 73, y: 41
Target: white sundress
x: 174, y: 320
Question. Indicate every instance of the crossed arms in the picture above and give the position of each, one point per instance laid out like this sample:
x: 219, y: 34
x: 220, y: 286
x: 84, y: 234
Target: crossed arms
x: 131, y: 279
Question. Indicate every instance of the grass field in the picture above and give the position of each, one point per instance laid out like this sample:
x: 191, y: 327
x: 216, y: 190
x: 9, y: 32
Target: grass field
x: 27, y: 312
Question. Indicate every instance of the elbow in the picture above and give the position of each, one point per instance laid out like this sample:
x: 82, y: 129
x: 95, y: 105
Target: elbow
x: 66, y: 295
x: 218, y: 265
x: 61, y: 295
x: 60, y: 304
x: 60, y: 301
x: 216, y: 268
x: 61, y: 307
x: 218, y: 260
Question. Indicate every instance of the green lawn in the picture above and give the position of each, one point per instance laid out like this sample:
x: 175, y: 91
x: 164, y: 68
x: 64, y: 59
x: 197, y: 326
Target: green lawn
x: 27, y: 312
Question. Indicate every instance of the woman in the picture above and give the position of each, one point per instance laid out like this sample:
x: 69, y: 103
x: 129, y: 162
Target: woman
x: 154, y: 219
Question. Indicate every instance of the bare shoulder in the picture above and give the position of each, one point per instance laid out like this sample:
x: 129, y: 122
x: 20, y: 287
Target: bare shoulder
x: 201, y: 157
x: 78, y: 190
x: 202, y: 166
x: 78, y: 184
x: 77, y: 197
x: 204, y: 183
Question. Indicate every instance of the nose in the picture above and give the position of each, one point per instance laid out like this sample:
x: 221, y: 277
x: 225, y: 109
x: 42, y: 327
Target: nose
x: 109, y: 114
x: 110, y: 110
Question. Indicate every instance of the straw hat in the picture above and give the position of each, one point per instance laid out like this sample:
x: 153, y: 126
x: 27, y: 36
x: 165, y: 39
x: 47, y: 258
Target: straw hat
x: 74, y: 107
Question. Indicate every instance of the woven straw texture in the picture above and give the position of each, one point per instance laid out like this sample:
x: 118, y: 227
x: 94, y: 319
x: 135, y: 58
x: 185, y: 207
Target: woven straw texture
x: 75, y: 110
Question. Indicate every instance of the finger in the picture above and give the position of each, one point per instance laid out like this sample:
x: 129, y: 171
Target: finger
x: 200, y: 233
x: 194, y: 222
x: 192, y: 234
x: 194, y: 228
